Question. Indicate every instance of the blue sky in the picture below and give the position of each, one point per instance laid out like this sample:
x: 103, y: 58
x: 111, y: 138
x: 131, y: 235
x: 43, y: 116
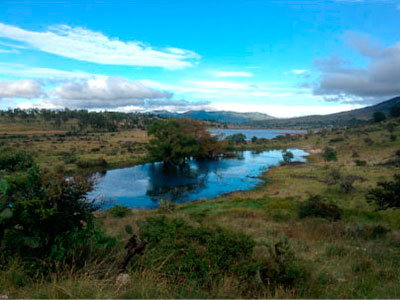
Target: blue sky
x: 285, y: 58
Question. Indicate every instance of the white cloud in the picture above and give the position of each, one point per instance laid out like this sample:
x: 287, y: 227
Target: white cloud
x: 110, y: 88
x: 86, y: 45
x: 21, y: 89
x: 95, y: 93
x: 299, y: 71
x: 231, y: 74
x: 46, y: 74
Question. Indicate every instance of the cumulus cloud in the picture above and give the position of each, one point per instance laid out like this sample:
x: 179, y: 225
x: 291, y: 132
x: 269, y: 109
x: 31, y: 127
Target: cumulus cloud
x: 95, y: 93
x: 231, y: 74
x: 86, y: 45
x: 21, y: 89
x: 378, y: 80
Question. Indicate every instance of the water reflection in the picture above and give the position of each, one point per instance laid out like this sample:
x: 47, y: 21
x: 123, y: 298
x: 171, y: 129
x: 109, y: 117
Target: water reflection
x: 143, y: 186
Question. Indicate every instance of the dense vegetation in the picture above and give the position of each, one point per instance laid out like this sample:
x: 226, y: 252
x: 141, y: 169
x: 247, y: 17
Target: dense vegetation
x: 77, y: 120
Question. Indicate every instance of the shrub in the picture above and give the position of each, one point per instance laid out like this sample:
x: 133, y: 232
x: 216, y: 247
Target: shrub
x: 360, y: 163
x: 119, y: 211
x: 346, y: 183
x: 386, y: 194
x: 395, y: 111
x: 39, y: 213
x: 329, y: 154
x: 166, y: 205
x: 316, y: 207
x: 202, y: 254
x: 333, y: 176
x: 336, y: 140
x: 12, y: 161
x: 379, y: 116
x: 287, y: 157
x: 188, y: 254
x: 393, y: 137
x: 92, y: 163
x: 368, y: 141
x: 237, y: 138
x: 282, y: 268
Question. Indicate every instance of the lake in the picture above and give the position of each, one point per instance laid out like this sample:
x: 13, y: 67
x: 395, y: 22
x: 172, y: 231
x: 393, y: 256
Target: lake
x: 259, y: 133
x: 143, y: 186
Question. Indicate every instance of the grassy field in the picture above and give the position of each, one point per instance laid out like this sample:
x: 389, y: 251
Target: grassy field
x: 354, y: 257
x: 58, y: 151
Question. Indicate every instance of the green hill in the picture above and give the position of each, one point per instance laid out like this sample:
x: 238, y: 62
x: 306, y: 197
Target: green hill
x: 352, y: 117
x: 220, y: 116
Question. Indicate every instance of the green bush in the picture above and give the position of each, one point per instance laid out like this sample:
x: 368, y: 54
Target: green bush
x: 316, y: 207
x: 13, y: 161
x: 203, y: 255
x: 38, y: 214
x: 287, y: 157
x: 237, y: 138
x: 329, y: 154
x: 119, y: 211
x: 92, y: 163
x: 386, y: 195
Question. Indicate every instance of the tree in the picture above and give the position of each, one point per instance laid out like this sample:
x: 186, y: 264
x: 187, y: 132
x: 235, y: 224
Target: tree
x: 395, y: 111
x: 175, y: 141
x: 329, y: 154
x: 379, y: 116
x: 287, y: 157
x: 387, y: 194
x: 237, y: 138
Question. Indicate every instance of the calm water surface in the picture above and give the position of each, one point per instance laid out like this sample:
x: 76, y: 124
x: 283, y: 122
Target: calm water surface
x: 143, y: 186
x: 259, y: 133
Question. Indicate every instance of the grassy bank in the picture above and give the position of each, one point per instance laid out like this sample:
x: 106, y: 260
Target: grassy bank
x: 355, y: 256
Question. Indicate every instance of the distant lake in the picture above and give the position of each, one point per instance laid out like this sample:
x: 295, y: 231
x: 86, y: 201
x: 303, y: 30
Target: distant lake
x: 259, y: 133
x: 143, y: 186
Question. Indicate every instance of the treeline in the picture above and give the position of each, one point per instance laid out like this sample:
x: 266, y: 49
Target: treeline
x: 78, y: 120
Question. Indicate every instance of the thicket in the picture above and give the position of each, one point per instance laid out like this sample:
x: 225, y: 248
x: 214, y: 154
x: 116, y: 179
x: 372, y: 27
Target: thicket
x: 46, y: 220
x: 315, y: 206
x: 386, y: 194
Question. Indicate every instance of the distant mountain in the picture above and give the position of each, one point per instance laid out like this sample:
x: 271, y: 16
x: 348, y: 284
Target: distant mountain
x: 351, y: 117
x: 220, y: 116
x: 355, y: 116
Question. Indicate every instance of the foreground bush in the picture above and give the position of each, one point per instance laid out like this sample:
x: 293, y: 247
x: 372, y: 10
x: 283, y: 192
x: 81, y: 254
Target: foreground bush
x: 316, y: 207
x: 46, y: 220
x: 206, y: 255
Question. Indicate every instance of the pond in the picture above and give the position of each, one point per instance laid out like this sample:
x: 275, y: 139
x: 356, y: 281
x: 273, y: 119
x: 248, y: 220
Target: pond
x: 259, y: 133
x: 143, y: 186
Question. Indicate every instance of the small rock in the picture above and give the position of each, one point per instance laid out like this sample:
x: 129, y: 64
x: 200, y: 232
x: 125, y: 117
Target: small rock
x: 122, y: 279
